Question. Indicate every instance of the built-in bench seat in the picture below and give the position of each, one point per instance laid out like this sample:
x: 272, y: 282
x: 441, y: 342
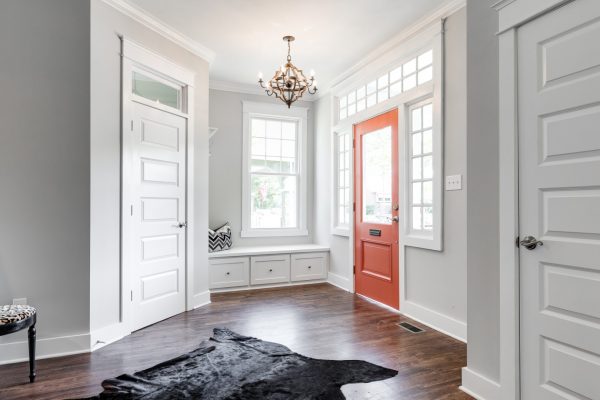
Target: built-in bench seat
x: 242, y: 268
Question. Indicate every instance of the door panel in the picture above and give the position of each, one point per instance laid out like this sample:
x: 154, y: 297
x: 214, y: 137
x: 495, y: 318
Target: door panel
x: 158, y: 192
x: 559, y: 203
x: 376, y: 209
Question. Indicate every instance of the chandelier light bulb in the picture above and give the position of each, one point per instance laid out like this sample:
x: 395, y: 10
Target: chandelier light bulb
x: 314, y: 84
x: 260, y: 75
x: 312, y: 73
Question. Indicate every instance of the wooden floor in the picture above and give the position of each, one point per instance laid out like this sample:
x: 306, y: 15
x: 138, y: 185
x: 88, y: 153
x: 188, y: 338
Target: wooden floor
x: 319, y: 321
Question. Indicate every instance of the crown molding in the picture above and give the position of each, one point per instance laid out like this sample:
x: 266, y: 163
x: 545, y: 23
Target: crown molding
x: 153, y: 23
x: 443, y: 11
x: 239, y: 87
x: 500, y: 4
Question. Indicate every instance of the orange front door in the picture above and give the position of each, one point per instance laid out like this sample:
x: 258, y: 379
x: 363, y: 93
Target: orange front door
x: 376, y: 209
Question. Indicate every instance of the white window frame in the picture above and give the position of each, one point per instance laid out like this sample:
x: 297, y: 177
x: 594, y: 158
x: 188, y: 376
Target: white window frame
x: 429, y: 38
x: 275, y: 111
x: 338, y: 228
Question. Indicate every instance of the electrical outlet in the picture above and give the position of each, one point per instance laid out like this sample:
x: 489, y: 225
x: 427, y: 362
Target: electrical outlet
x: 454, y: 182
x: 22, y: 301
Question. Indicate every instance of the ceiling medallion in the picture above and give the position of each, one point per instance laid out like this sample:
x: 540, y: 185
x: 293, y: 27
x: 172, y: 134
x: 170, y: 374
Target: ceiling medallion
x: 289, y: 82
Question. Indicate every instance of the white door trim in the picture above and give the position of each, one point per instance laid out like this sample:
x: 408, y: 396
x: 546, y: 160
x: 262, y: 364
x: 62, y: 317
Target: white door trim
x: 135, y: 56
x: 512, y: 15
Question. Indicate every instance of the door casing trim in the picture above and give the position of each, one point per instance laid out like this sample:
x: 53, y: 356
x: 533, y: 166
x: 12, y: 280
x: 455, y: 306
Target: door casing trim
x: 134, y: 55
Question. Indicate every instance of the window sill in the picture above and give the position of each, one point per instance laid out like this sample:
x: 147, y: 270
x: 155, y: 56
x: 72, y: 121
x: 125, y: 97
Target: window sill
x: 338, y: 231
x: 273, y: 232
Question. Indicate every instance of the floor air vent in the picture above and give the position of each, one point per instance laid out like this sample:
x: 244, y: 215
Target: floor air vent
x: 410, y: 327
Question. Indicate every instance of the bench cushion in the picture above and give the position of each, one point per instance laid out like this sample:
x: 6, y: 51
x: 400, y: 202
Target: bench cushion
x: 15, y: 313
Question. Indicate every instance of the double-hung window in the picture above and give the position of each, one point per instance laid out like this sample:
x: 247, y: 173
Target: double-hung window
x: 343, y: 182
x: 274, y: 176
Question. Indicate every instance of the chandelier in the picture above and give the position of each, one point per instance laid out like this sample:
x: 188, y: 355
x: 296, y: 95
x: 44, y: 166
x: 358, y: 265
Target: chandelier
x: 289, y: 83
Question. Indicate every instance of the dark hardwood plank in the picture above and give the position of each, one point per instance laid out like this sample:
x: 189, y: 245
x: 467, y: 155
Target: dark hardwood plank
x: 318, y: 321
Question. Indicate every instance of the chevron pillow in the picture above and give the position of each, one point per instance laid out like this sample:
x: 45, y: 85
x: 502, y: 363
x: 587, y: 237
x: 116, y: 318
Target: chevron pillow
x: 219, y: 239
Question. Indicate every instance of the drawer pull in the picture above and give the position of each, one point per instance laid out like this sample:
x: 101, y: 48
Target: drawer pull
x: 270, y: 270
x: 310, y: 266
x: 227, y: 273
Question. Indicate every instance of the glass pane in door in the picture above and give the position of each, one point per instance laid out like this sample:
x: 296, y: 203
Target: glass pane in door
x: 377, y: 176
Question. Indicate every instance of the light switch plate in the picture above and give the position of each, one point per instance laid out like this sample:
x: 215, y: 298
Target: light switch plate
x: 454, y: 182
x: 21, y: 301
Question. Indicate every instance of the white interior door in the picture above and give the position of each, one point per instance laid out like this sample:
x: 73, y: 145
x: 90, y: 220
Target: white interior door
x: 559, y: 178
x: 158, y: 192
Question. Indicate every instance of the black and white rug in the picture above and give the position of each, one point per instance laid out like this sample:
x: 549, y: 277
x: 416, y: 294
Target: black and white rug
x: 234, y: 367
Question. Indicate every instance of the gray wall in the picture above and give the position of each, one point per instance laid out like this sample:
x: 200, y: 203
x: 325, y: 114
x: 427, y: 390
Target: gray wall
x: 226, y: 166
x: 438, y: 280
x: 435, y: 280
x: 482, y: 196
x: 45, y: 161
x: 106, y: 24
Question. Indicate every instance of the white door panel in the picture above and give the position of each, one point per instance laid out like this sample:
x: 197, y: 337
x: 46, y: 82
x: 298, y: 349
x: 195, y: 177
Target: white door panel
x: 158, y: 193
x: 559, y: 202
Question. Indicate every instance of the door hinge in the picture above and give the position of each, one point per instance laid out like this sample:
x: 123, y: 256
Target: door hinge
x: 131, y: 292
x: 354, y: 269
x: 518, y: 242
x: 353, y: 207
x: 132, y: 125
x: 353, y: 143
x: 131, y: 209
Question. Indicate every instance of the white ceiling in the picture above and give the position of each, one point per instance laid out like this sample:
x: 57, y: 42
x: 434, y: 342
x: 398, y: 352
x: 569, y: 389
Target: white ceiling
x: 331, y: 35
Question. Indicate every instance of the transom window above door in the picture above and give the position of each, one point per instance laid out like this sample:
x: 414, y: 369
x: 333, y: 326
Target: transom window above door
x: 404, y: 77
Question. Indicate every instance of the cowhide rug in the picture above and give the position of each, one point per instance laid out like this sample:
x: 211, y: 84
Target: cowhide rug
x: 234, y: 367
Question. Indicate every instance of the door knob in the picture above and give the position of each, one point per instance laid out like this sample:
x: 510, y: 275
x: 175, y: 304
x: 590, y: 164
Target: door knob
x: 395, y: 219
x: 530, y: 242
x: 181, y: 225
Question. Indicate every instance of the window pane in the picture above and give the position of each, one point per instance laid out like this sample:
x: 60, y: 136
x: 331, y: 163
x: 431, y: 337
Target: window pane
x: 409, y: 82
x: 274, y: 129
x: 343, y: 113
x: 272, y: 164
x: 273, y: 147
x: 258, y: 147
x: 416, y: 168
x: 372, y: 100
x: 360, y: 92
x: 383, y: 81
x: 396, y: 89
x: 377, y: 176
x: 360, y: 105
x: 396, y: 74
x: 257, y: 128
x: 416, y: 144
x: 372, y: 87
x: 351, y: 97
x: 425, y: 59
x: 343, y: 101
x: 288, y: 165
x: 425, y: 75
x: 273, y: 201
x: 410, y: 67
x: 257, y: 165
x: 428, y: 218
x: 427, y: 142
x: 428, y: 192
x: 416, y: 120
x: 428, y: 116
x: 288, y: 130
x: 288, y: 148
x: 382, y: 95
x: 416, y: 218
x: 351, y: 109
x: 154, y: 90
x: 416, y: 193
x: 427, y: 167
x: 342, y: 215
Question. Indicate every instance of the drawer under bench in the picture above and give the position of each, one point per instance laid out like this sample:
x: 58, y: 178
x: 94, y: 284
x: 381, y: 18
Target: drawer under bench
x: 270, y: 269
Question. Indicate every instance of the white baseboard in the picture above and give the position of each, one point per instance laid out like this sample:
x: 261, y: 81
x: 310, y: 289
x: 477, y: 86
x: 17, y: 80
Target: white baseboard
x: 107, y: 335
x: 201, y: 299
x: 440, y: 322
x: 478, y: 386
x: 45, y: 348
x: 340, y: 281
